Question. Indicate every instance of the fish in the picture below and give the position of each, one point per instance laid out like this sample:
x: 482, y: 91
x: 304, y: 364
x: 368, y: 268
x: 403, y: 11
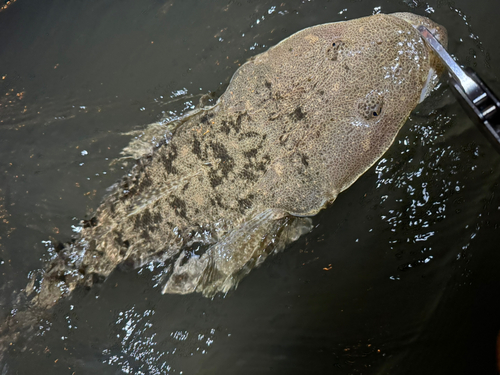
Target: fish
x: 232, y: 183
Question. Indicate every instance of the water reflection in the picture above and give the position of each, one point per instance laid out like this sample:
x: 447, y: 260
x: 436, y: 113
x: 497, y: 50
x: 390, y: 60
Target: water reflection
x: 433, y: 200
x: 143, y: 350
x: 427, y: 182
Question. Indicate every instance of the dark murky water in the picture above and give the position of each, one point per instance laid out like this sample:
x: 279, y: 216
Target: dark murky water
x: 399, y: 276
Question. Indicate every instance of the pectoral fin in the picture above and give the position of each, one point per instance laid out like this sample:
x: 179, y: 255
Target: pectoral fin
x: 225, y: 263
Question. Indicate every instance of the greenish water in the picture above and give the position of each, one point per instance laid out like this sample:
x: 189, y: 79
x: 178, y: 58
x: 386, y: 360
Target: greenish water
x: 399, y: 276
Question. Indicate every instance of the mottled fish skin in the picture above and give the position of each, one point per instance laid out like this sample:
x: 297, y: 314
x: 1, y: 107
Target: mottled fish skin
x: 297, y: 125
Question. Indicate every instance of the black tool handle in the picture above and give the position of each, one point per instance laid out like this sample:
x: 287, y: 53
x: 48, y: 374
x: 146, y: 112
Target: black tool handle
x: 484, y: 111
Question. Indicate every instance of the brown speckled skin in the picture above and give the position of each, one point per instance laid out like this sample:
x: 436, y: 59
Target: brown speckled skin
x: 297, y: 125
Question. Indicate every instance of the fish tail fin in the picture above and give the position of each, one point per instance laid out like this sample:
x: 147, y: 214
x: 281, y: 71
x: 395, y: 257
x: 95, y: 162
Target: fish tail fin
x: 44, y: 290
x: 19, y: 323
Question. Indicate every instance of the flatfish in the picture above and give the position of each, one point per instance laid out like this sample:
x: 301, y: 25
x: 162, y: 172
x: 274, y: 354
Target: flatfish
x: 235, y: 182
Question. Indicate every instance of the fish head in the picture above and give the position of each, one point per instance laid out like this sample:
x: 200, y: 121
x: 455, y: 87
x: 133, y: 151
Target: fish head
x: 345, y: 90
x: 440, y: 33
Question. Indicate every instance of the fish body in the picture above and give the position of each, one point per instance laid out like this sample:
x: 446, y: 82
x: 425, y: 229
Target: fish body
x: 297, y: 125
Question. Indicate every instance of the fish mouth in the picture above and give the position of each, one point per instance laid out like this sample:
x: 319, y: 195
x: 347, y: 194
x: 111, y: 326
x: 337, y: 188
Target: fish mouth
x: 436, y: 29
x: 436, y: 66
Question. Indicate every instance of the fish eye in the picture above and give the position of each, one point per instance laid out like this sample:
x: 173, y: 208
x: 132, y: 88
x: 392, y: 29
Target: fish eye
x: 335, y: 50
x: 370, y: 107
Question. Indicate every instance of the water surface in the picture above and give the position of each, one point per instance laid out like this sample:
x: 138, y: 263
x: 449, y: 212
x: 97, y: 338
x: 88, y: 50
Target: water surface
x: 399, y: 276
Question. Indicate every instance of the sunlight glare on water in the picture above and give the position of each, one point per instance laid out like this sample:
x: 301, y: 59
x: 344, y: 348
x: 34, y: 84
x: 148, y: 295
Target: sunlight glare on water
x: 400, y: 268
x: 138, y: 353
